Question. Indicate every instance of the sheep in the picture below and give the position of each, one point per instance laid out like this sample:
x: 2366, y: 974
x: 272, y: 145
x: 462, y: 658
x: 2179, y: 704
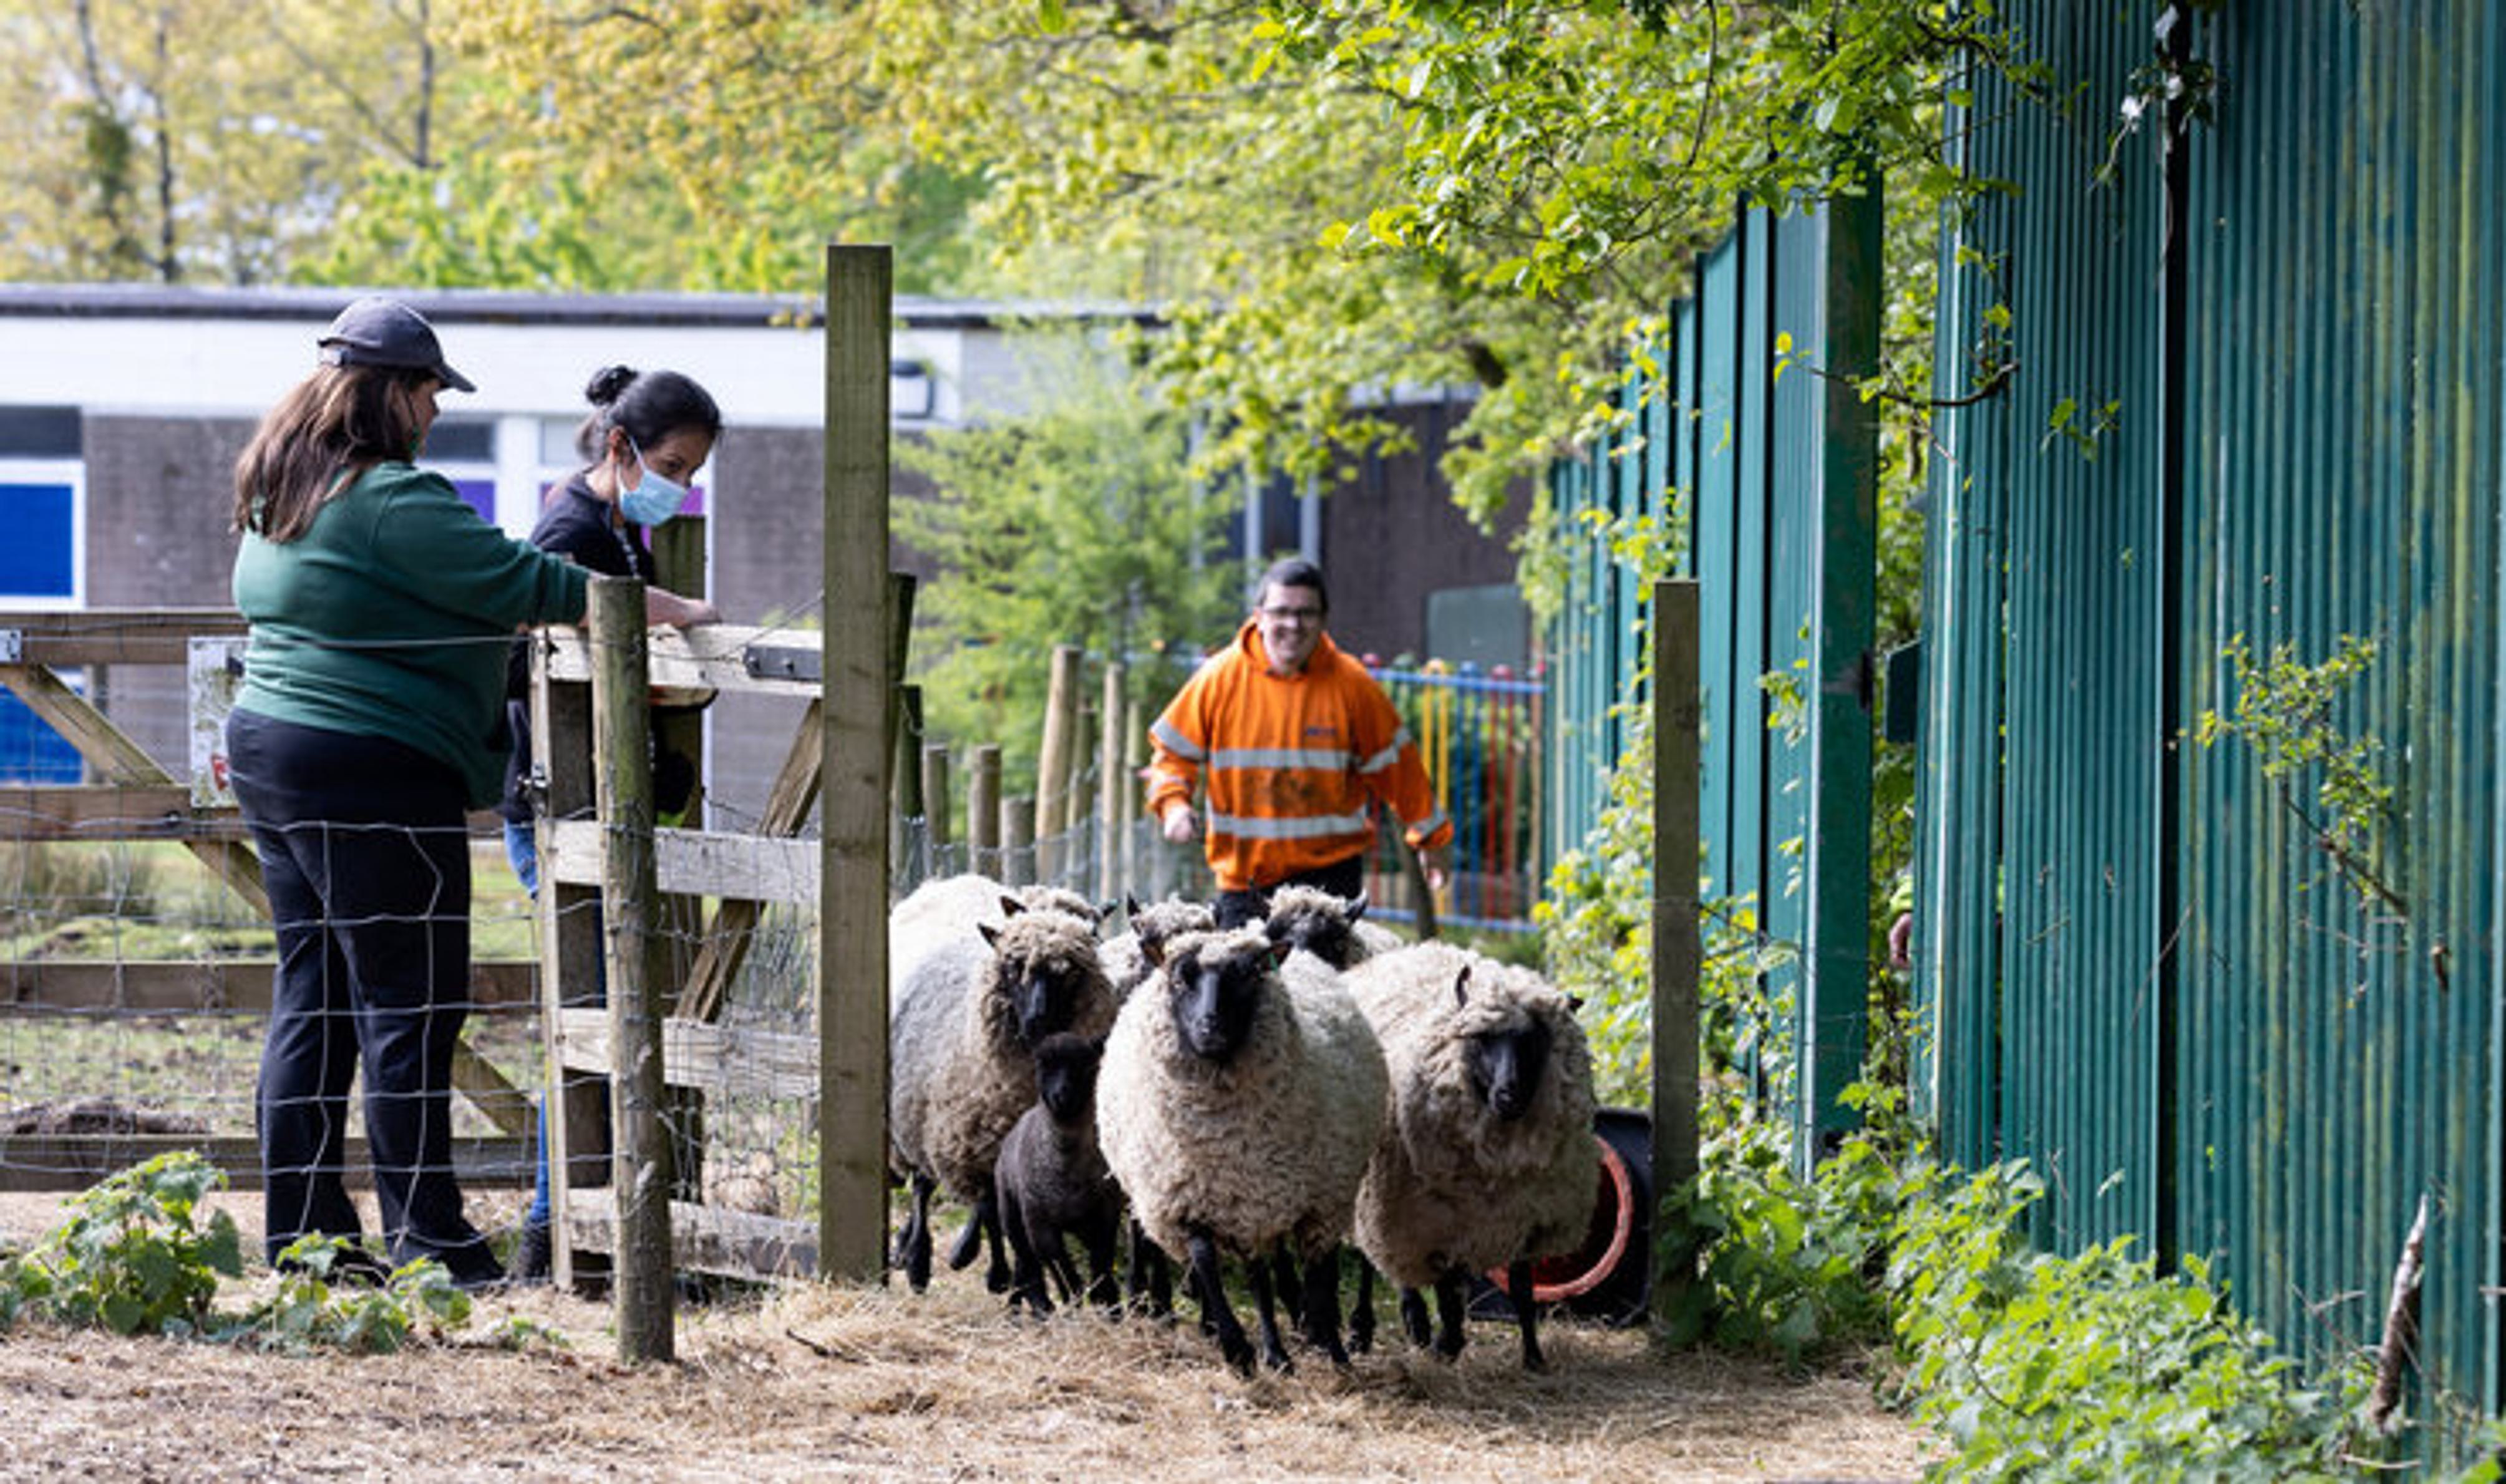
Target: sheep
x: 1331, y: 928
x: 1130, y: 956
x: 1488, y: 1158
x: 969, y: 1014
x: 1052, y: 1182
x: 1241, y: 1116
x: 948, y: 908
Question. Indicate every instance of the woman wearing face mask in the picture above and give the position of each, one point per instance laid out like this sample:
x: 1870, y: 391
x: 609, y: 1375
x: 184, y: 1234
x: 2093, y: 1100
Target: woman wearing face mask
x: 370, y: 719
x: 648, y: 434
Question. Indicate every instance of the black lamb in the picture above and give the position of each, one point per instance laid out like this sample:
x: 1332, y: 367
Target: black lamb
x: 1053, y: 1184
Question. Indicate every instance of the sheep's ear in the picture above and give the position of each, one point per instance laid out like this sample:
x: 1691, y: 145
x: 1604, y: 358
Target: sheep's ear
x: 1574, y: 1005
x: 1154, y: 952
x: 1011, y: 906
x: 1462, y: 986
x: 1130, y: 905
x: 991, y: 935
x: 1357, y: 906
x: 1275, y: 930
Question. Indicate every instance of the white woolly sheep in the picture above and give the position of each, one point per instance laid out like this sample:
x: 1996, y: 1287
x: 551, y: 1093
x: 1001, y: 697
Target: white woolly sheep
x: 949, y: 909
x: 1488, y: 1157
x: 1133, y: 954
x: 961, y: 1068
x: 1239, y: 1117
x: 1332, y: 929
x: 1052, y: 1185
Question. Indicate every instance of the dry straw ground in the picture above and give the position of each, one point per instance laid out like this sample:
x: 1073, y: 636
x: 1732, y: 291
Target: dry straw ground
x: 815, y: 1382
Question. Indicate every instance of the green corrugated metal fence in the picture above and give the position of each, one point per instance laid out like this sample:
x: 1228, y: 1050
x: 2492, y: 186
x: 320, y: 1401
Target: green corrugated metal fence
x: 2144, y: 972
x: 1756, y: 466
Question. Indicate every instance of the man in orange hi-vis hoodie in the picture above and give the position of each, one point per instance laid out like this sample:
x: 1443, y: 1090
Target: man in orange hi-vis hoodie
x: 1297, y: 740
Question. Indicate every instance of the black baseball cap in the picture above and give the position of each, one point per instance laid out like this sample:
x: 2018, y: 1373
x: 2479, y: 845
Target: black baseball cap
x: 385, y: 331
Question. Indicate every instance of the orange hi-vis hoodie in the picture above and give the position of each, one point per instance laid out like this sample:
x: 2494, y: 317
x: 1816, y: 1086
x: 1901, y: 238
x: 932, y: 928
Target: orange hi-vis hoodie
x: 1292, y: 762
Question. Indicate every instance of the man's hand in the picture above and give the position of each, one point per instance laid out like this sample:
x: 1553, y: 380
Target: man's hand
x: 1179, y: 824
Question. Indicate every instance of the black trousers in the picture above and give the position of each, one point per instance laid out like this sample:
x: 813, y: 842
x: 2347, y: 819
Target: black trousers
x: 366, y: 863
x: 1342, y: 878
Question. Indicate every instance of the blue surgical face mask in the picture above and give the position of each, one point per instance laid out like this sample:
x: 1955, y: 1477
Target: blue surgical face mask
x: 653, y: 499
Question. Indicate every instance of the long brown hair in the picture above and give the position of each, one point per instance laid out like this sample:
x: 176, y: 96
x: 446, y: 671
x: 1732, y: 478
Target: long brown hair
x: 330, y: 428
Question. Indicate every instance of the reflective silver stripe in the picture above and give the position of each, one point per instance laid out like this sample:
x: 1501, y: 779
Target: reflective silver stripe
x: 1328, y: 759
x: 1313, y: 827
x: 1390, y: 754
x: 1430, y: 825
x: 1175, y: 742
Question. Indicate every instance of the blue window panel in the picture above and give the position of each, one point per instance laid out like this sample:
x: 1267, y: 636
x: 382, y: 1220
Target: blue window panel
x: 39, y: 559
x: 31, y: 752
x: 480, y: 495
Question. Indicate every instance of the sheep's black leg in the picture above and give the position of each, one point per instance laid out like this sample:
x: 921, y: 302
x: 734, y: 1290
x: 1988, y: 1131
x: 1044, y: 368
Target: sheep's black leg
x: 1518, y: 1287
x: 987, y: 1217
x: 1413, y: 1317
x: 1361, y: 1317
x: 915, y: 1243
x: 1102, y: 1290
x: 1322, y: 1306
x: 1026, y: 1276
x: 1152, y: 1277
x: 1452, y: 1302
x: 1283, y: 1273
x: 1206, y: 1284
x: 1274, y: 1352
x: 961, y: 1253
x: 1065, y: 1273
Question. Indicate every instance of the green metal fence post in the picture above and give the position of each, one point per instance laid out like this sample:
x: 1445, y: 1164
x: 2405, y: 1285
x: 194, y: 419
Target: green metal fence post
x: 1835, y: 990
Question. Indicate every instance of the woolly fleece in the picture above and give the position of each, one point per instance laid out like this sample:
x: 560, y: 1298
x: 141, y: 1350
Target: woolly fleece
x: 958, y: 1078
x: 1271, y: 1146
x: 1451, y: 1184
x: 1126, y: 968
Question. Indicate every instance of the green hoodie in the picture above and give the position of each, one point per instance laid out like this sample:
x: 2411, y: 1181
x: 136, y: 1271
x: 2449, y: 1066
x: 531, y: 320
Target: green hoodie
x: 391, y: 617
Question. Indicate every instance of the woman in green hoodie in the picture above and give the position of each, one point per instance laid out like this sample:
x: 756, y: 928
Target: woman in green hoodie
x: 370, y: 720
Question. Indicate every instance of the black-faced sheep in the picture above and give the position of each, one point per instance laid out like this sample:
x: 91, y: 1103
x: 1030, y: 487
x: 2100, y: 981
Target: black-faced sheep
x: 1052, y: 1185
x: 1332, y: 929
x: 969, y: 1013
x: 1239, y: 1118
x: 1133, y: 954
x: 1488, y: 1159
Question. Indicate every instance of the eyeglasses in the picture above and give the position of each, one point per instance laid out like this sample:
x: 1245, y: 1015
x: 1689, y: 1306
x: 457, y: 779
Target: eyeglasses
x: 1293, y: 615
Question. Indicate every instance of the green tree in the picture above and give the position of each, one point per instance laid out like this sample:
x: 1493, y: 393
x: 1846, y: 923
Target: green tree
x: 204, y: 141
x: 1074, y: 523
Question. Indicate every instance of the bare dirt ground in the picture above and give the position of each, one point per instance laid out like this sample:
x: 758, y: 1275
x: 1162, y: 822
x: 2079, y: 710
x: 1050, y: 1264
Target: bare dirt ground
x: 824, y: 1381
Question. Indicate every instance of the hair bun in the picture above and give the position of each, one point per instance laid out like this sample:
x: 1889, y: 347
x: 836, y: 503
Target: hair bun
x: 608, y: 385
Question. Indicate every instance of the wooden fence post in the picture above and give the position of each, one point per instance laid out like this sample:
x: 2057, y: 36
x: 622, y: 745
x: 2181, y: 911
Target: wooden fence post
x: 1130, y: 751
x: 983, y: 815
x: 862, y: 666
x: 575, y: 1127
x: 630, y: 900
x: 1678, y: 945
x: 935, y: 803
x: 1017, y: 840
x: 1052, y: 763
